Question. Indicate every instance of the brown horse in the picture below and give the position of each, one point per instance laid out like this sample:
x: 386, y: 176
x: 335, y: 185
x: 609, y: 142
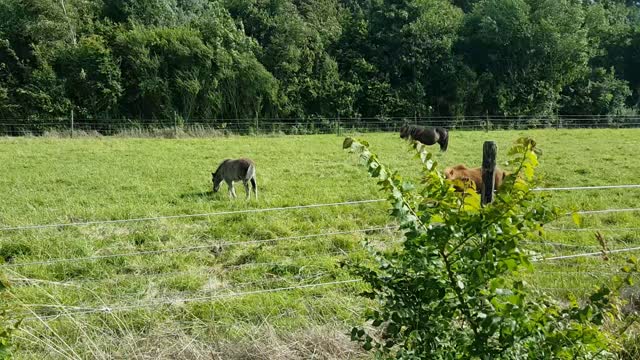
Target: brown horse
x: 474, y: 175
x: 426, y: 136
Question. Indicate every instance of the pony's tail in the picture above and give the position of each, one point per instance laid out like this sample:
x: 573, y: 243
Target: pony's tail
x: 254, y: 185
x: 444, y: 142
x: 251, y: 172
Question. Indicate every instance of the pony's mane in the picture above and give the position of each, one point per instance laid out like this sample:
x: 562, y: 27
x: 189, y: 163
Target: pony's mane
x: 222, y: 164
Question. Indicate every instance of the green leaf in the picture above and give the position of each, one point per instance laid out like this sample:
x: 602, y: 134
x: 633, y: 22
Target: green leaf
x: 472, y: 200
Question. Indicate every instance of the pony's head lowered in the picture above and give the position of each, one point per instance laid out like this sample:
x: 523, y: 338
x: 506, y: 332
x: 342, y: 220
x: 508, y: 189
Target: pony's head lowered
x: 216, y: 179
x: 405, y: 132
x: 218, y: 176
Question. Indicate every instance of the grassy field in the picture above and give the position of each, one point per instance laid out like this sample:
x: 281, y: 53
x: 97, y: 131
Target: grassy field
x: 208, y: 302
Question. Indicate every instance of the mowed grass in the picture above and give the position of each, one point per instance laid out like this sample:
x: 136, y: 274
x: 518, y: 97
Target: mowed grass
x: 168, y: 299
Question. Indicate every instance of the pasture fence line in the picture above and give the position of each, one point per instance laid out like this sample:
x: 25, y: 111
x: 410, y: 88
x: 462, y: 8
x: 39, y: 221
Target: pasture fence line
x: 143, y: 277
x: 194, y: 248
x: 72, y: 311
x: 174, y: 126
x: 111, y: 309
x: 557, y: 244
x: 594, y: 187
x: 185, y: 216
x: 297, y: 207
x: 311, y: 279
x: 599, y: 253
x: 593, y: 229
x: 592, y: 273
x: 603, y: 211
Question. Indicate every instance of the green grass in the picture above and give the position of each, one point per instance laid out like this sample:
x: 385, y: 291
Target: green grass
x: 47, y: 180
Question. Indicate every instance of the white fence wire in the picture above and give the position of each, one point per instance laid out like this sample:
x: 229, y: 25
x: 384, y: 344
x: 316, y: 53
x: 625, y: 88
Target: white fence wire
x: 74, y: 310
x: 299, y: 207
x: 196, y: 248
x: 77, y: 310
x: 185, y: 216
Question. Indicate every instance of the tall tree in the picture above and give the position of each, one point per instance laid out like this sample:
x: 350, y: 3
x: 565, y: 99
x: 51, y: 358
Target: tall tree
x: 525, y: 52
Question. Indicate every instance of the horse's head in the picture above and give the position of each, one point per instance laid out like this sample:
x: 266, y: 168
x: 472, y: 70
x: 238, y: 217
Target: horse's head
x: 443, y: 138
x: 216, y: 179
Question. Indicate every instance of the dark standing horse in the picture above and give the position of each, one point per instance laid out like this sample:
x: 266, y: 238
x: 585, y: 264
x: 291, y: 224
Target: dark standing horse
x: 426, y: 136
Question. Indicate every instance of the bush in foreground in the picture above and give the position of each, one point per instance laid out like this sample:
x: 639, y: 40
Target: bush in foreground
x: 453, y: 289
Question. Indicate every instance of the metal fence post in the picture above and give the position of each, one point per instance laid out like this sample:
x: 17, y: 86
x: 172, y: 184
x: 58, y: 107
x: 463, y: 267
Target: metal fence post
x: 72, y: 123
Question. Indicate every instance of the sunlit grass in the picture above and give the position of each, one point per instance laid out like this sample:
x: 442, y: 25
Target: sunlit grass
x: 46, y: 180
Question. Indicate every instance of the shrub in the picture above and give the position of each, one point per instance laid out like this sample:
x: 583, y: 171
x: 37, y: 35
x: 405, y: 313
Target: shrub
x: 453, y: 290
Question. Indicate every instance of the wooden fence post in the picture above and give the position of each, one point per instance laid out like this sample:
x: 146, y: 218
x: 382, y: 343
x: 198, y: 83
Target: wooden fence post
x: 486, y: 122
x: 489, y: 154
x: 257, y: 124
x: 71, y: 123
x: 175, y: 124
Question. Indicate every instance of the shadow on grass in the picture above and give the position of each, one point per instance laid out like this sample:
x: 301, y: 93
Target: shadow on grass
x: 206, y: 195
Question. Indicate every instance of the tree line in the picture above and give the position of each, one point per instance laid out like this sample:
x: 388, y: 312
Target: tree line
x: 244, y: 59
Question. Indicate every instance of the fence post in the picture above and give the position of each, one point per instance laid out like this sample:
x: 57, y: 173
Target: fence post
x: 486, y: 122
x: 175, y: 124
x: 257, y: 124
x: 489, y: 154
x: 71, y: 123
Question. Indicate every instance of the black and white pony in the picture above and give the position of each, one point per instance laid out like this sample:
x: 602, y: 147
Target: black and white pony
x: 426, y: 136
x: 236, y: 170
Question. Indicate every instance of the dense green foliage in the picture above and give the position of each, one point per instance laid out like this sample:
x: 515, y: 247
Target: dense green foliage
x: 452, y: 289
x: 209, y: 59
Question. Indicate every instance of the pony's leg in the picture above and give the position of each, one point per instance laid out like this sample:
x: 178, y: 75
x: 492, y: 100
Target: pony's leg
x: 246, y: 189
x: 232, y: 190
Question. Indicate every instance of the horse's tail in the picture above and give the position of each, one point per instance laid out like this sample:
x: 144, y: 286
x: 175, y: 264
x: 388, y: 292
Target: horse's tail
x: 251, y: 172
x: 444, y: 139
x: 251, y: 175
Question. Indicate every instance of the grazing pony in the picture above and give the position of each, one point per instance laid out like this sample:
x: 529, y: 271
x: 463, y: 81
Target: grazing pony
x: 234, y: 170
x: 474, y: 175
x: 426, y: 136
